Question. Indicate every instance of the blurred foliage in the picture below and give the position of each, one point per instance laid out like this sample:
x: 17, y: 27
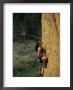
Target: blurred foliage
x: 26, y: 29
x: 26, y: 26
x: 25, y: 60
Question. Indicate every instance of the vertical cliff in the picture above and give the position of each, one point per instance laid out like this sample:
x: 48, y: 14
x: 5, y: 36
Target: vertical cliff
x: 51, y: 41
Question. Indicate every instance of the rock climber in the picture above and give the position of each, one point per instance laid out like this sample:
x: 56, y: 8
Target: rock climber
x: 42, y: 57
x: 38, y: 49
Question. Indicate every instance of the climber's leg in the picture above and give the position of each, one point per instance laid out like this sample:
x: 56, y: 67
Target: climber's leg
x: 41, y: 70
x: 45, y: 61
x: 40, y: 65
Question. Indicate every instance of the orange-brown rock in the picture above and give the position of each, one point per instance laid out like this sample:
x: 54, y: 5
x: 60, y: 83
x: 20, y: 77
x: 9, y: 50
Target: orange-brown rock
x: 51, y: 41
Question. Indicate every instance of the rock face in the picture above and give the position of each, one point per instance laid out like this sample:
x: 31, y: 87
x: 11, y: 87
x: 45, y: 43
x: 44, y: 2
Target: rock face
x: 51, y: 41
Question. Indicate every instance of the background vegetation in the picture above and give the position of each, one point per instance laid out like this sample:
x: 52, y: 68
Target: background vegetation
x: 26, y: 30
x: 26, y: 26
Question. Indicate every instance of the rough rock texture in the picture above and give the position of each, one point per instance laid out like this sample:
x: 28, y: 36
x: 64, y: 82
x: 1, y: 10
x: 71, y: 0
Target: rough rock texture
x: 51, y: 41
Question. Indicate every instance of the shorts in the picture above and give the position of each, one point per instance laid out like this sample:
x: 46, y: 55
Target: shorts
x: 40, y: 60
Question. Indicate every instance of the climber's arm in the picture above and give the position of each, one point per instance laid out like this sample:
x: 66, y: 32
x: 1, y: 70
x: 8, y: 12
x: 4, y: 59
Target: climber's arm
x: 39, y: 51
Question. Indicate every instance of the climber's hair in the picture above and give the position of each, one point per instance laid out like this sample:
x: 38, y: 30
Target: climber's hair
x: 38, y: 44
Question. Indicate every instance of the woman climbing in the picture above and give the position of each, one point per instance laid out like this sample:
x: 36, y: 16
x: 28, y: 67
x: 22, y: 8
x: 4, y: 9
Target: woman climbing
x: 38, y: 49
x: 42, y: 57
x: 44, y: 60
